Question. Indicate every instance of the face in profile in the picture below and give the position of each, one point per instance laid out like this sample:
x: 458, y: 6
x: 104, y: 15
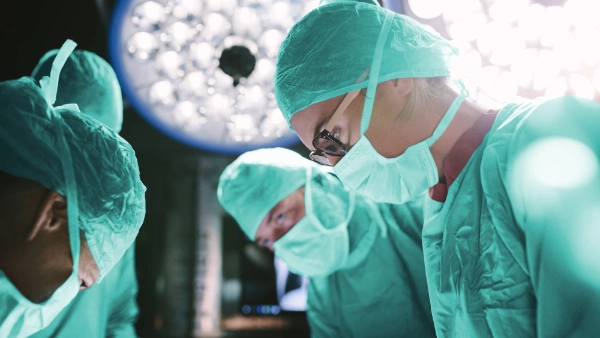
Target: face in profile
x: 35, y: 252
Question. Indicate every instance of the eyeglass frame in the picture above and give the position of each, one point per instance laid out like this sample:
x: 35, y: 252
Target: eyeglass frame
x: 326, y: 134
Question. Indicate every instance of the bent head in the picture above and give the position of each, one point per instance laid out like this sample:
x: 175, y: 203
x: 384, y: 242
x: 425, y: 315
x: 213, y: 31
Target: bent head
x: 35, y: 251
x: 303, y: 219
x: 93, y: 171
x: 319, y: 64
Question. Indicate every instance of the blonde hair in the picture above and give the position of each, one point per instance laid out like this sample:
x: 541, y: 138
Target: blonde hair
x: 423, y: 92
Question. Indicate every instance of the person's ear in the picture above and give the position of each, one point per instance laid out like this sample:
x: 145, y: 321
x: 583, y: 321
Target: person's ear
x: 51, y: 215
x: 403, y: 86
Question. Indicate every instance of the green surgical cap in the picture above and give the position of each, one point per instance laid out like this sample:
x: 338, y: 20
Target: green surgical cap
x: 90, y: 82
x: 79, y: 158
x: 256, y: 181
x: 333, y: 46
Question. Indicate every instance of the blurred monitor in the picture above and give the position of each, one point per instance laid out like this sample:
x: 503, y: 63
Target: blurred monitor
x: 268, y: 288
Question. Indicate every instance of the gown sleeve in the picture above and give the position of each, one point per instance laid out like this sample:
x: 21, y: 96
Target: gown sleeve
x: 554, y: 187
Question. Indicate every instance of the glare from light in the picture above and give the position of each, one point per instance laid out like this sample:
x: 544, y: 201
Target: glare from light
x: 557, y: 87
x: 567, y: 52
x: 180, y: 34
x: 219, y: 105
x: 309, y: 5
x: 584, y: 237
x: 582, y: 86
x: 469, y: 28
x: 142, y: 46
x: 222, y: 81
x: 254, y: 99
x: 226, y: 6
x: 242, y: 127
x: 427, y: 9
x: 508, y: 11
x: 458, y: 10
x: 523, y: 67
x: 583, y: 13
x: 162, y: 93
x: 596, y: 79
x: 178, y: 44
x: 273, y: 123
x: 187, y: 115
x: 559, y: 162
x: 270, y: 41
x: 193, y: 84
x: 234, y: 40
x: 170, y: 63
x: 245, y: 22
x: 216, y: 26
x: 279, y: 14
x: 507, y: 48
x: 468, y: 65
x: 185, y: 9
x: 590, y: 52
x: 547, y: 70
x: 554, y: 24
x: 498, y: 83
x: 263, y: 71
x: 202, y: 54
x: 500, y: 43
x: 149, y: 15
x: 529, y: 23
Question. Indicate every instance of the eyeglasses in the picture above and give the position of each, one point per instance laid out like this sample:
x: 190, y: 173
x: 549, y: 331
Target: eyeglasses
x: 324, y: 143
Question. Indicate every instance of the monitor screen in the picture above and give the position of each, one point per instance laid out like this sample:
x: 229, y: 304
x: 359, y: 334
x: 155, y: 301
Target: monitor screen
x: 267, y: 286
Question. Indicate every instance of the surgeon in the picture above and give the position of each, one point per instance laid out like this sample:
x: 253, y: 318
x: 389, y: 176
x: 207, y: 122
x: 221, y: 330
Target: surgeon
x: 513, y: 193
x: 364, y: 260
x: 109, y: 309
x: 71, y: 202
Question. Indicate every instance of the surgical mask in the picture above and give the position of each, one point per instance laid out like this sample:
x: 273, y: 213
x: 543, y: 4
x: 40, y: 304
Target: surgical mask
x: 311, y: 249
x: 391, y: 180
x: 19, y: 317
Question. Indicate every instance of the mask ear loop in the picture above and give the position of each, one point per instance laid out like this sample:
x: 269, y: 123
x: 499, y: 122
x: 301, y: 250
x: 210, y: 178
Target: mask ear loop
x: 374, y: 74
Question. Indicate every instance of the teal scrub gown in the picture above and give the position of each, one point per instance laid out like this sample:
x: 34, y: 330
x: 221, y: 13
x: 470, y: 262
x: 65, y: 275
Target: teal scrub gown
x: 498, y: 254
x: 383, y: 292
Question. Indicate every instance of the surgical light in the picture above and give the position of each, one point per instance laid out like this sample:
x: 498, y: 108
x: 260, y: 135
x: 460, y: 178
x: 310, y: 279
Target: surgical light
x: 520, y: 48
x: 201, y: 71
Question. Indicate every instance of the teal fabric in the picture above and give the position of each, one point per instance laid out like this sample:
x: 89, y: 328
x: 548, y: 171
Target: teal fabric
x: 89, y: 81
x: 108, y: 309
x: 384, y: 293
x: 256, y: 181
x: 39, y: 142
x: 497, y: 258
x: 319, y: 60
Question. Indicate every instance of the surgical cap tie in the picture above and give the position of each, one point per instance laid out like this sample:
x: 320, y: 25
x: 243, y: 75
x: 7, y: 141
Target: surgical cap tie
x: 49, y: 85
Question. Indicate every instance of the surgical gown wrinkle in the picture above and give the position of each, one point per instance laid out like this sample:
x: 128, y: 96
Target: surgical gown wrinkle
x: 385, y: 295
x: 493, y: 269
